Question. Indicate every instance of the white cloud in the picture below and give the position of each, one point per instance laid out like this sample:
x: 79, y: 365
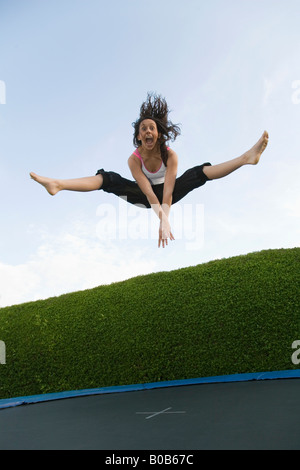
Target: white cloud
x: 16, y: 283
x: 68, y: 262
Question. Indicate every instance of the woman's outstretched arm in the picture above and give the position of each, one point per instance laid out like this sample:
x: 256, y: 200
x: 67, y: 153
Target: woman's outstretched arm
x: 169, y: 183
x: 146, y: 188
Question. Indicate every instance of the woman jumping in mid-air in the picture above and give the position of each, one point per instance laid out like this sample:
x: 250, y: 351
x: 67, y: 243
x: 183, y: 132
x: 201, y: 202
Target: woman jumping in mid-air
x: 154, y: 168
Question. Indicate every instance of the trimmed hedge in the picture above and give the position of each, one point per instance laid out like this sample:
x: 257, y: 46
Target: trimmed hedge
x: 227, y: 316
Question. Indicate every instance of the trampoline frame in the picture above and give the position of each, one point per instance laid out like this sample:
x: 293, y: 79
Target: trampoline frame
x: 246, y: 377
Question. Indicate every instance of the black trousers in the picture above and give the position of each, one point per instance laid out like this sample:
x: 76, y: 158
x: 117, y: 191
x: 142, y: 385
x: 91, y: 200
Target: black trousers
x: 129, y: 190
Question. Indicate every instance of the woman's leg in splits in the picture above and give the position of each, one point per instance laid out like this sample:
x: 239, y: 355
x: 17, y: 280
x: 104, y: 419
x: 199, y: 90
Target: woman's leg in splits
x: 248, y: 158
x: 92, y: 183
x: 53, y: 186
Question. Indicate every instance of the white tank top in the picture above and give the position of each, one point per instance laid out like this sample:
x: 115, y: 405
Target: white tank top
x: 156, y: 177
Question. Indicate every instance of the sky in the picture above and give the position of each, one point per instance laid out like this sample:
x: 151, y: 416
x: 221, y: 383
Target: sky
x: 73, y: 75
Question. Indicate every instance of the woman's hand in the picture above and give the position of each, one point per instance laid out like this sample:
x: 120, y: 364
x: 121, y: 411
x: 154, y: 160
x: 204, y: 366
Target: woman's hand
x: 164, y: 233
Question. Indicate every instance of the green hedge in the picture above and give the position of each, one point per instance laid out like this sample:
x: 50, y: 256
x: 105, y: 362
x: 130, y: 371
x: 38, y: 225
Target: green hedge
x: 227, y: 316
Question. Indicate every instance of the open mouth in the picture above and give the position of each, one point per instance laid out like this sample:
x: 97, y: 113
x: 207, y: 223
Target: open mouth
x: 149, y: 140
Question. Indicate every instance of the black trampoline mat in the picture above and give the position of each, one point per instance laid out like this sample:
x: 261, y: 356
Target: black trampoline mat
x: 241, y: 415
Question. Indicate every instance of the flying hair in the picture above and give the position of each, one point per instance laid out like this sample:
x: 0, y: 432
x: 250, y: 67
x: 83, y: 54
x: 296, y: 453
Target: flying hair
x: 156, y: 108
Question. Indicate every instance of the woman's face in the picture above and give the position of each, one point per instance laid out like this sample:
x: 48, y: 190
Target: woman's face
x: 148, y: 134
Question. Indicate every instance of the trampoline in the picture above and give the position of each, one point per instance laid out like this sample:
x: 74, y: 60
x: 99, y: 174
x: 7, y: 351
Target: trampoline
x: 250, y: 411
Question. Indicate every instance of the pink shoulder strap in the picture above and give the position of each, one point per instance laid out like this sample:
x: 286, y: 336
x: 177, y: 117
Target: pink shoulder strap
x: 137, y: 154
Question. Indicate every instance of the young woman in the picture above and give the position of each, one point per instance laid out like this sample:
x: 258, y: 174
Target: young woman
x: 153, y: 166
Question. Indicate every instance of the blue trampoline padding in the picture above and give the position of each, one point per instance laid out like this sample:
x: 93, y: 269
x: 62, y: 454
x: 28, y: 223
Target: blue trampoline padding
x: 27, y: 400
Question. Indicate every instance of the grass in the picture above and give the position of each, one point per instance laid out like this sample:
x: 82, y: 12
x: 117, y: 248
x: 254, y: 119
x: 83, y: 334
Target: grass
x: 227, y: 316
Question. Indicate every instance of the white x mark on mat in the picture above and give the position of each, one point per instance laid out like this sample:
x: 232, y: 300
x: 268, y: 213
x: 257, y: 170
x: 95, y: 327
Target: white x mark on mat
x: 156, y: 413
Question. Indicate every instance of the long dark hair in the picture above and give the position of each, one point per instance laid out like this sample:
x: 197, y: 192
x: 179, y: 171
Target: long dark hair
x: 156, y: 108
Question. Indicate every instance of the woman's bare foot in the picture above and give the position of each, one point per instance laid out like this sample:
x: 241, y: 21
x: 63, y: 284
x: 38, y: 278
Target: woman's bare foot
x: 253, y: 155
x: 51, y: 185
